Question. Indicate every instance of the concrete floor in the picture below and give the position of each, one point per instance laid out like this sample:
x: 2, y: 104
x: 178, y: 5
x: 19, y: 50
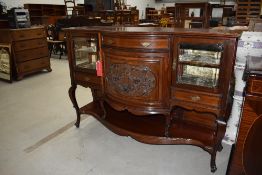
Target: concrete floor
x: 37, y: 136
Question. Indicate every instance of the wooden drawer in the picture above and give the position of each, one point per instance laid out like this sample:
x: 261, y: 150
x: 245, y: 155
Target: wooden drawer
x: 28, y: 34
x: 255, y: 87
x: 32, y: 65
x: 87, y: 78
x: 137, y: 42
x: 31, y: 54
x: 195, y: 97
x: 29, y: 44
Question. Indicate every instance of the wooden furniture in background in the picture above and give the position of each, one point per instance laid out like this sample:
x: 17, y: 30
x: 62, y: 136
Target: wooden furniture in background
x: 148, y: 14
x: 30, y: 52
x: 72, y: 9
x: 6, y: 62
x: 4, y: 24
x: 56, y: 41
x: 157, y: 85
x: 251, y: 112
x: 246, y: 10
x: 182, y: 14
x: 44, y: 13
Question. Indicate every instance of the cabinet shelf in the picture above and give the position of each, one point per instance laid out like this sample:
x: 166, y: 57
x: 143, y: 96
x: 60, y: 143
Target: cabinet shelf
x: 151, y: 128
x: 200, y: 64
x: 86, y: 65
x: 197, y: 81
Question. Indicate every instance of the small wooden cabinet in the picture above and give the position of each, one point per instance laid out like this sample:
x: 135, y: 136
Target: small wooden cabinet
x: 159, y: 85
x: 29, y: 48
x: 246, y: 10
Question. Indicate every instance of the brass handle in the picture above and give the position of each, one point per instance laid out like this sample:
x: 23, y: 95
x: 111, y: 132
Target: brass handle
x: 145, y: 44
x: 110, y: 41
x: 195, y: 98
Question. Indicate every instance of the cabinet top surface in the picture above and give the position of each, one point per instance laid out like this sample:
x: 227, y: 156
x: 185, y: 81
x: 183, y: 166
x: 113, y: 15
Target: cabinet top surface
x: 153, y: 30
x: 254, y: 66
x: 23, y: 29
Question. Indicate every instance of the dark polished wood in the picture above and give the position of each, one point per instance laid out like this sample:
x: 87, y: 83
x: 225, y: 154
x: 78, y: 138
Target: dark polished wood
x: 182, y: 14
x: 138, y: 95
x: 30, y: 51
x: 251, y: 112
x: 45, y: 14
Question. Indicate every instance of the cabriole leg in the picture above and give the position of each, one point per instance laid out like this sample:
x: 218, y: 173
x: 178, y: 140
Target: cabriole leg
x: 221, y: 128
x: 72, y: 96
x: 168, y: 124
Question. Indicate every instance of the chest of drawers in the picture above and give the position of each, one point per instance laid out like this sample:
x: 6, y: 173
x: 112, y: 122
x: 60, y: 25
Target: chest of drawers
x: 29, y: 50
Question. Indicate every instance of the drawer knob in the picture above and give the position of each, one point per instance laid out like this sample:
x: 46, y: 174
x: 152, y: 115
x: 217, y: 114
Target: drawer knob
x: 145, y: 44
x: 195, y: 98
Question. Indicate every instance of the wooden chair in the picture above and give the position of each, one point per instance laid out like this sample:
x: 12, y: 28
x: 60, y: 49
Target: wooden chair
x: 56, y: 41
x: 252, y: 152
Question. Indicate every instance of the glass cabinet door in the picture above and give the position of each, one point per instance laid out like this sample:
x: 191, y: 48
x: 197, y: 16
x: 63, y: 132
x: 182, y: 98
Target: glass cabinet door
x: 86, y: 52
x: 199, y: 64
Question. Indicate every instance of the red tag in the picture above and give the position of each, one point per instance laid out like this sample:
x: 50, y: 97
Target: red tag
x: 99, y: 71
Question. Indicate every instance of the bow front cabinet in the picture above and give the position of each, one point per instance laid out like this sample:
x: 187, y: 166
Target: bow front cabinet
x: 157, y: 85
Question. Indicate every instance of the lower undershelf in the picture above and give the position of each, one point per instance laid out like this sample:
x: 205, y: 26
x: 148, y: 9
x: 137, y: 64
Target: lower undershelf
x: 151, y: 128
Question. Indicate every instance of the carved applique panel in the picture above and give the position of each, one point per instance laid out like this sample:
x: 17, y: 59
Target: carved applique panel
x: 131, y: 80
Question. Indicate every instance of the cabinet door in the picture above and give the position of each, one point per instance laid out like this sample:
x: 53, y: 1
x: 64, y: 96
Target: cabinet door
x: 85, y: 52
x: 136, y: 80
x: 198, y: 63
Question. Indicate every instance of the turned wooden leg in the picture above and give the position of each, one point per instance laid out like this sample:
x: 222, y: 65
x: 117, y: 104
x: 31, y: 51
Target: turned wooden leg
x: 220, y: 147
x: 20, y: 77
x: 97, y: 97
x: 72, y: 96
x: 101, y: 102
x: 168, y: 124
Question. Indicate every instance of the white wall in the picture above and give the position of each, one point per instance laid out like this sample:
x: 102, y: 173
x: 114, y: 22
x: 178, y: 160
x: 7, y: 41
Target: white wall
x: 20, y: 3
x: 158, y: 6
x: 141, y: 4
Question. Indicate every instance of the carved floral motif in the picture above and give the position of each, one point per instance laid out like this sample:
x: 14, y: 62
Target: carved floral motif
x: 131, y: 80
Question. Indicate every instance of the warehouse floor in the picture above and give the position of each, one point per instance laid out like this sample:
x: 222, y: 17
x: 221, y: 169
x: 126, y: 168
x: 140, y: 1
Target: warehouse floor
x: 37, y: 136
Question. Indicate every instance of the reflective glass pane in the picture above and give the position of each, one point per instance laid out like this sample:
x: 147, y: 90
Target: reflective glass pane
x: 86, y: 54
x: 200, y: 76
x: 198, y: 64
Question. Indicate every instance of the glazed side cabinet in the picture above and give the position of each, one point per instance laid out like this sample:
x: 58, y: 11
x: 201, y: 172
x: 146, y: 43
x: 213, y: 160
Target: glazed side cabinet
x: 157, y: 85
